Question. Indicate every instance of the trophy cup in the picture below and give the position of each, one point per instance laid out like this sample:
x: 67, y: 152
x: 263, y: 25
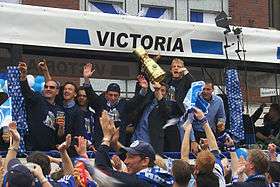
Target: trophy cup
x: 154, y: 71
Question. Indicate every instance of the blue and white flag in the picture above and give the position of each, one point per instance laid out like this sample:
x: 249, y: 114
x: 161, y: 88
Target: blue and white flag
x: 235, y: 103
x: 105, y: 8
x: 18, y: 109
x: 156, y: 176
x: 6, y: 107
x: 193, y: 98
x: 155, y: 12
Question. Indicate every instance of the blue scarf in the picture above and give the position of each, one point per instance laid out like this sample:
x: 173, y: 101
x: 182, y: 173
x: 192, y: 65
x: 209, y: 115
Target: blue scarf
x: 193, y: 98
x: 253, y: 177
x: 156, y: 176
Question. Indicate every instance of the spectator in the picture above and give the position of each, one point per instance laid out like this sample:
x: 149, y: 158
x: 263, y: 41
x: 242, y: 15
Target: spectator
x: 179, y: 82
x: 181, y: 171
x: 255, y: 168
x: 249, y: 124
x: 42, y: 113
x: 206, y: 160
x: 66, y: 98
x: 43, y: 161
x: 204, y: 166
x: 215, y: 116
x: 73, y: 113
x: 273, y: 175
x: 91, y: 123
x: 78, y: 175
x: 269, y: 131
x: 141, y: 170
x: 18, y: 175
x: 110, y: 101
x: 154, y: 116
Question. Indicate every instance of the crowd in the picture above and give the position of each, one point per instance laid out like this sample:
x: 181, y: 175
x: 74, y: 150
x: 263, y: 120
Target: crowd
x: 138, y: 130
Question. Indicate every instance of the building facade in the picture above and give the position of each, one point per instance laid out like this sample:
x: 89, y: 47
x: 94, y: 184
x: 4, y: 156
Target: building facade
x: 248, y: 13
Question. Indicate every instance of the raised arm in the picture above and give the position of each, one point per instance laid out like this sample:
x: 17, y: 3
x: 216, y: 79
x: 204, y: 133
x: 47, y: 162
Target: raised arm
x: 38, y: 173
x: 272, y: 152
x: 88, y: 72
x: 185, y: 148
x: 229, y: 143
x: 93, y: 99
x: 14, y: 144
x: 42, y: 66
x: 102, y: 154
x: 208, y: 131
x: 68, y: 167
x: 139, y: 97
x: 25, y: 89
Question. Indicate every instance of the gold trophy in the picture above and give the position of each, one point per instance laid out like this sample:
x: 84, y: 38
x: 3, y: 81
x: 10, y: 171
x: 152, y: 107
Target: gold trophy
x: 154, y: 71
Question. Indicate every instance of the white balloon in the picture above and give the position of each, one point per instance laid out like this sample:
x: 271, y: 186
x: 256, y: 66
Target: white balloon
x: 30, y: 80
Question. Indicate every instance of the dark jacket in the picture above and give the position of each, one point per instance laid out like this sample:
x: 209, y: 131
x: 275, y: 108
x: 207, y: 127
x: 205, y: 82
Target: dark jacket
x: 41, y: 119
x: 102, y: 161
x: 181, y: 87
x: 123, y: 108
x: 158, y: 117
x: 255, y: 181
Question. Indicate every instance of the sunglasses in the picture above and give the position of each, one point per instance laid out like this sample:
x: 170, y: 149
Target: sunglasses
x: 51, y: 87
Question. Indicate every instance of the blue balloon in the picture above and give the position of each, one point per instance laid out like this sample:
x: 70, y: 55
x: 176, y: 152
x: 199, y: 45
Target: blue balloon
x: 242, y: 152
x: 39, y: 79
x: 2, y: 82
x: 37, y: 87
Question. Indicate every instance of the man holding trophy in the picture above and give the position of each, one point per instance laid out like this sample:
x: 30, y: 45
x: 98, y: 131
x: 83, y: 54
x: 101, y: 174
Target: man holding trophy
x: 157, y: 111
x: 179, y: 81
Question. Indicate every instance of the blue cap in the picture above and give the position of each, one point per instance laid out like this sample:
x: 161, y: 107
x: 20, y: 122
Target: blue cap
x: 114, y: 87
x: 18, y: 174
x: 139, y: 147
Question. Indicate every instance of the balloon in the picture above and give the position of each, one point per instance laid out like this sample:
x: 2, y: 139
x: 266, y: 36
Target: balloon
x: 242, y: 152
x: 30, y: 80
x: 2, y: 82
x: 39, y: 79
x: 37, y: 87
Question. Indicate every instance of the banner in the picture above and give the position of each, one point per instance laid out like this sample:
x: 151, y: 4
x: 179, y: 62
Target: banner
x: 51, y: 27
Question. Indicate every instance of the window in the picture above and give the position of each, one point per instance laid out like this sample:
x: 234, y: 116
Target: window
x: 156, y: 12
x: 196, y: 17
x: 274, y: 14
x: 202, y: 17
x: 110, y: 8
x: 100, y: 85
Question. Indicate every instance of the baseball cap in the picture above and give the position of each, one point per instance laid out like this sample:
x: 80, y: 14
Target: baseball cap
x: 18, y: 174
x: 114, y: 87
x: 139, y: 147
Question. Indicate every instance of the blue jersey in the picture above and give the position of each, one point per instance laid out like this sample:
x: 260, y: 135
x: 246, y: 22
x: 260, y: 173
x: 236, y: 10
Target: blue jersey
x: 69, y: 181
